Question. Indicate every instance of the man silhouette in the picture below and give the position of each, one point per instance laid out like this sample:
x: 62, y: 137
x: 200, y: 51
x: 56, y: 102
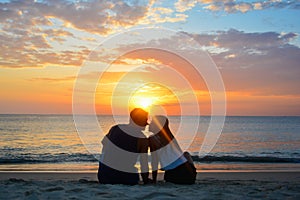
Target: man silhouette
x: 121, y: 148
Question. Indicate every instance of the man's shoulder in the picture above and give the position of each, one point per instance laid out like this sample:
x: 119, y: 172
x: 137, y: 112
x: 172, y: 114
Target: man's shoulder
x: 118, y: 126
x: 129, y: 130
x: 122, y: 125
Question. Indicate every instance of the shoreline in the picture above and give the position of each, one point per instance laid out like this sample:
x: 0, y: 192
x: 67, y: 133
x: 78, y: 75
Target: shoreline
x: 281, y: 176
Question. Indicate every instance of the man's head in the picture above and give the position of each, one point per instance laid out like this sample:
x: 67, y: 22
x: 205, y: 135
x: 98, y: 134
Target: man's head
x: 139, y: 117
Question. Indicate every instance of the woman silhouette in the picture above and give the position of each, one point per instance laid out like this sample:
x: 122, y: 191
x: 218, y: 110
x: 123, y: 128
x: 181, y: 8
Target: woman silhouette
x: 178, y: 165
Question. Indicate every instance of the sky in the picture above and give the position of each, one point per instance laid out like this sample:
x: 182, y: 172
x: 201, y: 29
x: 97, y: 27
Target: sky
x: 47, y: 45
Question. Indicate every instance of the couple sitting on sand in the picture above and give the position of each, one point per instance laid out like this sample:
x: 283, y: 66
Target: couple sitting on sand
x: 125, y: 143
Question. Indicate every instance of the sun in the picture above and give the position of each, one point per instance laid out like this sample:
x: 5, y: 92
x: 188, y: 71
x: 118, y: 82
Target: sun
x: 150, y: 96
x: 145, y: 102
x: 142, y: 102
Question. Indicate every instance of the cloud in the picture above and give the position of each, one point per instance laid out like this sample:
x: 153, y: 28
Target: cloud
x: 37, y: 33
x: 20, y: 55
x: 184, y: 5
x: 94, y: 16
x: 233, y: 6
x: 49, y: 79
x: 261, y: 63
x: 234, y: 39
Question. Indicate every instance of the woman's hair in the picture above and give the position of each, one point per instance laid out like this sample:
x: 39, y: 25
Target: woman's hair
x: 162, y: 133
x: 158, y: 123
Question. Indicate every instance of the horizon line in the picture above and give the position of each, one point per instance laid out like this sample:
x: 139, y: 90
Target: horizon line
x: 64, y: 114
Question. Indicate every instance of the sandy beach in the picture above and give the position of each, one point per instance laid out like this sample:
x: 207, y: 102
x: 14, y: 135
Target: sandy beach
x: 209, y: 185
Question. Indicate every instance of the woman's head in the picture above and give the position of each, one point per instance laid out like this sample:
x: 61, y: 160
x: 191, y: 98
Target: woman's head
x: 159, y: 126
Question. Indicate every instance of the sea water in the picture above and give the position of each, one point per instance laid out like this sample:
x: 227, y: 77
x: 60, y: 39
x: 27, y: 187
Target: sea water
x: 52, y: 142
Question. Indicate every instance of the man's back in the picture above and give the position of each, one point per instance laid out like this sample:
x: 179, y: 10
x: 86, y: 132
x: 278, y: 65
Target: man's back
x: 125, y: 137
x: 121, y: 148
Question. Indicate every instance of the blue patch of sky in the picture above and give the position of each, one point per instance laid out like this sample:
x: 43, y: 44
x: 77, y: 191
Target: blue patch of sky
x: 253, y: 21
x: 270, y: 20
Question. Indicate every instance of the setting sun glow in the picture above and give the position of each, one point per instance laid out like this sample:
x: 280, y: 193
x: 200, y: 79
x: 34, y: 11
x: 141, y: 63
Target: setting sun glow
x: 142, y: 102
x: 154, y: 98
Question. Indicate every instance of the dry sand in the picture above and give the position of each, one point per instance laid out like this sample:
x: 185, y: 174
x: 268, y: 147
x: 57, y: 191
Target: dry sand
x: 209, y: 185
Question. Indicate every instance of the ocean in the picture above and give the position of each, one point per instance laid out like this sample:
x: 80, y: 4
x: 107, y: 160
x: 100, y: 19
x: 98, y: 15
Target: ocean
x: 51, y: 143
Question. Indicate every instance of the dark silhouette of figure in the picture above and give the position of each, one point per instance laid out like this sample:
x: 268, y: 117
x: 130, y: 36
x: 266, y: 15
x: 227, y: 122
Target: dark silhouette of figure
x: 178, y: 165
x: 122, y: 147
